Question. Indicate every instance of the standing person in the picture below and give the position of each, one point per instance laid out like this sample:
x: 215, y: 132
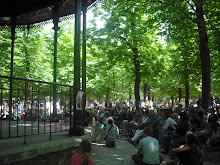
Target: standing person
x: 82, y: 158
x: 148, y: 149
x: 111, y: 134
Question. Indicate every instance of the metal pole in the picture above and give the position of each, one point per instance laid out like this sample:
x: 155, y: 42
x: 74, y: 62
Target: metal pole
x: 18, y: 102
x: 70, y: 108
x: 55, y: 28
x: 13, y: 26
x: 77, y: 56
x: 50, y: 113
x: 26, y: 106
x: 84, y: 58
x: 1, y: 111
x: 32, y: 105
x: 38, y: 108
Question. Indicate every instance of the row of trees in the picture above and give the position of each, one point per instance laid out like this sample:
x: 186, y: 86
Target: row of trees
x: 156, y: 46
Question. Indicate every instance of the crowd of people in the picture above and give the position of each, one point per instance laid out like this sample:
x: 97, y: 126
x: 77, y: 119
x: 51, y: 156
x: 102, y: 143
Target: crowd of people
x: 180, y: 131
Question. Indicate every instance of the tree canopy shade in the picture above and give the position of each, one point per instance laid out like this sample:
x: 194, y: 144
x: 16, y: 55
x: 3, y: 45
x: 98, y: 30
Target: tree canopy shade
x: 184, y: 23
x: 154, y: 44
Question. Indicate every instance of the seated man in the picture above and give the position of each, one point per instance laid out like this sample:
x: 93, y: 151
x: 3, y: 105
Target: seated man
x: 148, y: 149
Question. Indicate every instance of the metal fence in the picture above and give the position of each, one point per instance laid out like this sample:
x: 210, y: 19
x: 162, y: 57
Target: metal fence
x: 33, y: 109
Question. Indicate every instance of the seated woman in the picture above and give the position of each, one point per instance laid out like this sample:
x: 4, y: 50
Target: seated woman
x: 190, y: 153
x: 111, y: 134
x: 98, y: 133
x: 82, y: 157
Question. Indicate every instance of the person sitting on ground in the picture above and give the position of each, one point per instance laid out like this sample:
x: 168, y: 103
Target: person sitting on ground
x: 82, y: 157
x: 98, y: 133
x: 178, y: 139
x: 148, y: 149
x: 169, y: 129
x: 152, y: 121
x: 107, y: 117
x: 111, y: 134
x: 190, y: 153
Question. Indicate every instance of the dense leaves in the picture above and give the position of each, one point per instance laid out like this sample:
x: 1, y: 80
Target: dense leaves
x: 153, y: 42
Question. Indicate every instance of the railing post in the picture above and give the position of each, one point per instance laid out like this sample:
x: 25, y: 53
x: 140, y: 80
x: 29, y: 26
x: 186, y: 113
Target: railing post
x: 38, y: 108
x: 18, y: 109
x: 25, y: 115
x: 1, y: 111
x: 50, y: 113
x: 32, y: 103
x: 70, y: 112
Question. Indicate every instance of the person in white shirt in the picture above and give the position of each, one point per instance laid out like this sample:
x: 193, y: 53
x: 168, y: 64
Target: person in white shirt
x: 107, y: 117
x: 169, y: 123
x: 169, y: 130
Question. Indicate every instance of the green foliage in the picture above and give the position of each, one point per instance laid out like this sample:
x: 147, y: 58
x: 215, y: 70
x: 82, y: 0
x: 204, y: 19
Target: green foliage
x: 164, y: 33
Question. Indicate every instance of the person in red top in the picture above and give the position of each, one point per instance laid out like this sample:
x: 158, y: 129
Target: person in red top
x: 82, y: 158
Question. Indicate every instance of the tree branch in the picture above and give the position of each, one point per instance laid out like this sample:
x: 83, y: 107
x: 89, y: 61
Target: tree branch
x: 129, y: 45
x: 172, y: 4
x: 192, y: 7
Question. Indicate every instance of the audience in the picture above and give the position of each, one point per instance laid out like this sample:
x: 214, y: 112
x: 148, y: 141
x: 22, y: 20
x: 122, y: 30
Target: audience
x: 167, y: 126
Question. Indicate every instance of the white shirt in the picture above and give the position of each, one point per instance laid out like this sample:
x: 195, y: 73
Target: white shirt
x: 169, y: 123
x: 107, y: 119
x: 144, y: 119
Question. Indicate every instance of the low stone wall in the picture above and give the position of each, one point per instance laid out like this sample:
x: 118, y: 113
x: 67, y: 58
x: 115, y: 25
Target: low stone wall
x: 55, y: 158
x: 52, y: 152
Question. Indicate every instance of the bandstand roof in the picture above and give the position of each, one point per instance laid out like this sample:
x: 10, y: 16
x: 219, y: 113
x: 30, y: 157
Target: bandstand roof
x: 38, y: 12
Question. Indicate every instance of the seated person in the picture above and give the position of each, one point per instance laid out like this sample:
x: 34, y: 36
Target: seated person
x: 169, y: 129
x: 152, y: 121
x: 82, y: 157
x: 135, y: 123
x: 97, y: 131
x: 204, y: 134
x: 111, y: 134
x: 148, y: 149
x: 190, y: 153
x: 107, y: 116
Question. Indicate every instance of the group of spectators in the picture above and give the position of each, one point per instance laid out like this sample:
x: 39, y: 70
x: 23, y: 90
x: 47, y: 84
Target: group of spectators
x: 181, y: 132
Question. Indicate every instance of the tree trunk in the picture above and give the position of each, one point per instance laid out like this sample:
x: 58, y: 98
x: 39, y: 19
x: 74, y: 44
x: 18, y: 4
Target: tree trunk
x: 187, y: 87
x: 148, y: 93
x: 137, y: 78
x: 180, y: 94
x: 114, y: 87
x: 129, y: 95
x: 107, y: 94
x: 204, y: 55
x: 145, y: 91
x: 172, y: 101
